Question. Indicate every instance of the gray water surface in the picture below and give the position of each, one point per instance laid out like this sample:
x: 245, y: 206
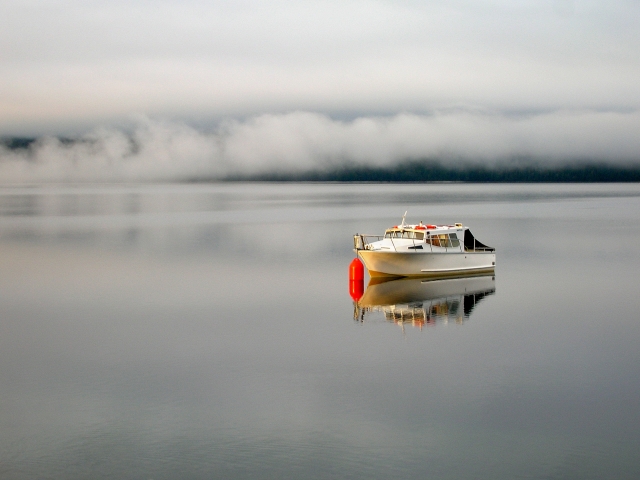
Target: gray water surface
x: 206, y: 331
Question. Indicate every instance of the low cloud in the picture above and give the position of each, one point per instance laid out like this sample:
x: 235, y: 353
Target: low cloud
x: 302, y: 141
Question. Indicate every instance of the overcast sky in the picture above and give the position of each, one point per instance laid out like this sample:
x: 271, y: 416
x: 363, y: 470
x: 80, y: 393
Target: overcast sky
x: 80, y: 63
x: 72, y: 66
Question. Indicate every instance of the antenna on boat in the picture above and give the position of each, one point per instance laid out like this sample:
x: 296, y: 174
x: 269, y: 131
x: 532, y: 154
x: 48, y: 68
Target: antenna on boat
x: 405, y: 214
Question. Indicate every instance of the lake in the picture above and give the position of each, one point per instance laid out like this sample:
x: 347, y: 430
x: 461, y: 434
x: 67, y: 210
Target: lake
x: 206, y: 331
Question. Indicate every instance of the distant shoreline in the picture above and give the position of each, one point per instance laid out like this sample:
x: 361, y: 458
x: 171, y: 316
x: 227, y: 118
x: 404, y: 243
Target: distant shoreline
x: 429, y: 171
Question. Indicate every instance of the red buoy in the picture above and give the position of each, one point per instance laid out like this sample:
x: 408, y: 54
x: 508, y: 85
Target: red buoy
x: 356, y: 279
x: 356, y: 270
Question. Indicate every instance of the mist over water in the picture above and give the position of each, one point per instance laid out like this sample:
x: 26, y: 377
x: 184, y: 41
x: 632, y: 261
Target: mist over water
x: 304, y: 141
x: 206, y: 331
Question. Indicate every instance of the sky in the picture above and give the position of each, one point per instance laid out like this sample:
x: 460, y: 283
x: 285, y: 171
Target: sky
x: 365, y: 81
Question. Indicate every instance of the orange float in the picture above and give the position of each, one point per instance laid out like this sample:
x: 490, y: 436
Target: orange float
x: 356, y: 270
x: 356, y: 279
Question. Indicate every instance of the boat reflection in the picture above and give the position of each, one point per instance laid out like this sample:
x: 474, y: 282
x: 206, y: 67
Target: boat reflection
x: 419, y: 302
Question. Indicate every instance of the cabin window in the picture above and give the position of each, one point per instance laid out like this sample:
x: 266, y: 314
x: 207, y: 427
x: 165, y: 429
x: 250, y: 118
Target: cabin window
x: 444, y: 240
x: 454, y: 240
x: 416, y: 235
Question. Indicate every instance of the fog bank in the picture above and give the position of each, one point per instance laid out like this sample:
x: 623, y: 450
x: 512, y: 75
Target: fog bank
x: 302, y: 141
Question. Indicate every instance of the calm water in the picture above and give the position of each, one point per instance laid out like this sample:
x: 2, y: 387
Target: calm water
x: 206, y: 331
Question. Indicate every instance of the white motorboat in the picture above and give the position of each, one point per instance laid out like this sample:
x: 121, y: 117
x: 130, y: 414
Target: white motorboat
x: 424, y: 250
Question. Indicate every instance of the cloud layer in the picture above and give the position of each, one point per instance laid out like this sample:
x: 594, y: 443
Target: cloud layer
x: 70, y: 65
x: 300, y: 141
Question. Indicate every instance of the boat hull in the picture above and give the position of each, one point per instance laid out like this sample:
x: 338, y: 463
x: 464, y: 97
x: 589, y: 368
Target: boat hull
x: 426, y: 264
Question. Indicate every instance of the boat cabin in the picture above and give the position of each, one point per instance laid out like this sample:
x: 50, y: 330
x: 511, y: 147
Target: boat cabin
x: 435, y: 238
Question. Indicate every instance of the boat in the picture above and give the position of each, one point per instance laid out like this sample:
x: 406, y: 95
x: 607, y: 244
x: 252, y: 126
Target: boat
x: 423, y: 301
x: 424, y: 250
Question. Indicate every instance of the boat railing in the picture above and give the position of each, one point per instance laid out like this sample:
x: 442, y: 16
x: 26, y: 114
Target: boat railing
x: 361, y: 240
x: 478, y: 247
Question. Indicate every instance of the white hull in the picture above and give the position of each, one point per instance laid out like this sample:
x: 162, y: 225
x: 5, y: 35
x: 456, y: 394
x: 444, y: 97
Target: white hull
x: 426, y: 263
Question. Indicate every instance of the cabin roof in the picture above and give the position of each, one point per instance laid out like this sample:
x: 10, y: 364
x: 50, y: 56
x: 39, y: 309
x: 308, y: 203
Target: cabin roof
x: 423, y: 228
